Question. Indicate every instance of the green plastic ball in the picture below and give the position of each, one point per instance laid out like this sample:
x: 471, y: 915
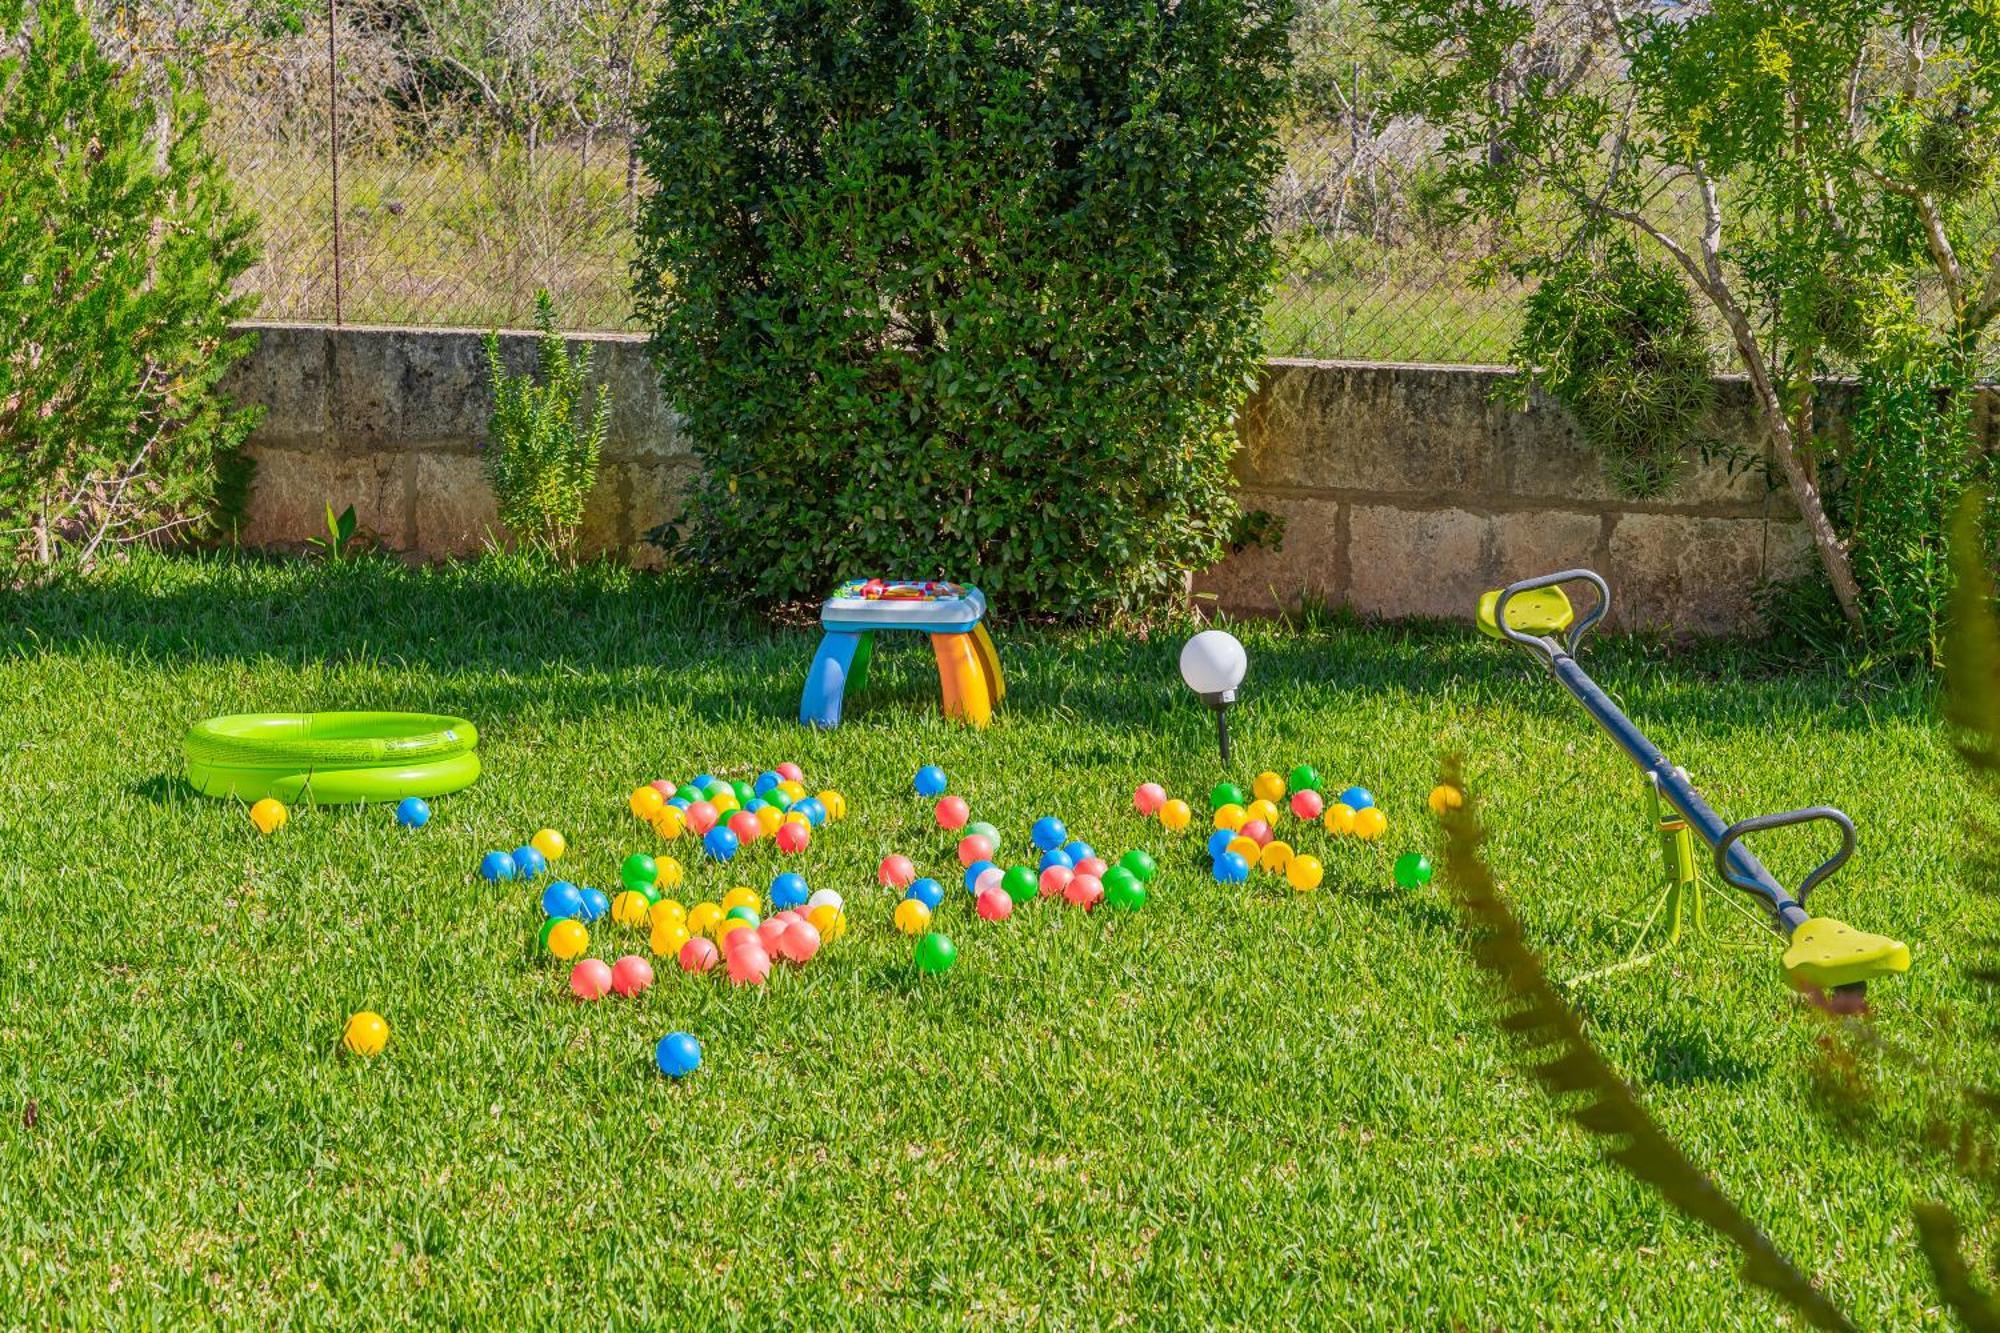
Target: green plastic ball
x: 984, y: 830
x: 543, y: 938
x: 639, y: 872
x: 1140, y: 864
x: 1119, y: 878
x: 1020, y: 883
x: 743, y: 794
x: 716, y: 788
x: 1128, y: 895
x: 1226, y: 793
x: 1412, y: 869
x: 748, y: 915
x: 1304, y: 778
x: 935, y: 953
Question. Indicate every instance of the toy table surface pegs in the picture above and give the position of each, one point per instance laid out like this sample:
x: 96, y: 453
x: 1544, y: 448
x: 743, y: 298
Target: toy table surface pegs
x: 953, y: 615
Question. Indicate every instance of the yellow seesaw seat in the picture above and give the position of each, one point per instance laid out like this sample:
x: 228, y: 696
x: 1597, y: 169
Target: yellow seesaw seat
x: 1540, y: 611
x: 1827, y: 953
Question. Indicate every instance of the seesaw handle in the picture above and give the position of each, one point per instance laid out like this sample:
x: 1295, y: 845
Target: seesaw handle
x: 1759, y: 823
x: 1583, y: 626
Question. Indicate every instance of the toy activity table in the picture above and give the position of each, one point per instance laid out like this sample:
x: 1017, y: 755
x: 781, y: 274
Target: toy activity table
x: 953, y: 615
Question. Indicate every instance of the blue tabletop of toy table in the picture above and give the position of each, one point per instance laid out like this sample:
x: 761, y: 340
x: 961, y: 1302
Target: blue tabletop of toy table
x: 933, y: 606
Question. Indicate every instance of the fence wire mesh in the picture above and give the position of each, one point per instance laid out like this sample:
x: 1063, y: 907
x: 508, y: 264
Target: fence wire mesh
x: 436, y: 162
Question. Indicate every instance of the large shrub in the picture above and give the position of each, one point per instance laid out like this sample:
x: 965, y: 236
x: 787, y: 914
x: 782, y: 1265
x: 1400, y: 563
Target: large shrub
x: 118, y: 250
x: 969, y: 288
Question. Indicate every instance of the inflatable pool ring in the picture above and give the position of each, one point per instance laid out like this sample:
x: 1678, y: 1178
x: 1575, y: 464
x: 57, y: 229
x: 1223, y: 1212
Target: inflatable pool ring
x: 332, y: 758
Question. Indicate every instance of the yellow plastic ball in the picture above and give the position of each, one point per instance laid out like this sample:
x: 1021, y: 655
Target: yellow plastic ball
x: 668, y: 937
x: 724, y: 802
x: 568, y: 939
x: 551, y: 843
x: 1268, y: 787
x: 729, y: 925
x: 741, y: 896
x: 1445, y: 798
x: 793, y: 790
x: 1276, y: 857
x: 630, y: 909
x: 667, y: 872
x: 645, y: 803
x: 1339, y: 819
x: 1263, y: 810
x: 701, y: 918
x: 1304, y: 873
x: 835, y: 803
x: 1176, y: 815
x: 794, y: 817
x: 1247, y: 848
x: 1370, y: 824
x: 829, y: 921
x: 912, y: 917
x: 769, y: 819
x: 269, y: 815
x: 666, y: 912
x: 1230, y: 816
x: 366, y: 1033
x: 669, y: 823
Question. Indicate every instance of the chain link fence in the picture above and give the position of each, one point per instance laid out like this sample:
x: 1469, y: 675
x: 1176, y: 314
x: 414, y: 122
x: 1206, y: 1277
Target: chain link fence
x: 436, y: 162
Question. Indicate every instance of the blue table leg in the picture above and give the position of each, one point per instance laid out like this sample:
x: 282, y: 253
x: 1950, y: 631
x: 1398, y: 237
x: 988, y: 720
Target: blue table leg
x: 819, y: 706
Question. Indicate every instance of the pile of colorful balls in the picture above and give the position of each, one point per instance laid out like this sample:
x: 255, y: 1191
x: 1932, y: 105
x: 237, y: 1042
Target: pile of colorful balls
x: 729, y: 816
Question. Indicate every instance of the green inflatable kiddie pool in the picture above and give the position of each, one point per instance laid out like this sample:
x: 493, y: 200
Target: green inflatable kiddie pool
x: 332, y: 758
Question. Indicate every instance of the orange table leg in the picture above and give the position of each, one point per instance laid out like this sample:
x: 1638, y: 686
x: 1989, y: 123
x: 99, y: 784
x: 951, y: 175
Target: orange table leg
x: 962, y: 679
x: 989, y: 658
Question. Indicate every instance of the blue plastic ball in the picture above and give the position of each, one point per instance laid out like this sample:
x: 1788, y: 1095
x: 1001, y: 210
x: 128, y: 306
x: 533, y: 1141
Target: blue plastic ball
x: 680, y: 803
x: 1078, y: 850
x: 1231, y: 868
x: 1357, y: 798
x: 1218, y: 841
x: 677, y: 1055
x: 931, y: 781
x: 529, y: 863
x: 765, y: 782
x: 926, y: 891
x: 702, y: 782
x: 813, y: 809
x: 595, y: 904
x: 562, y: 898
x: 497, y: 866
x: 972, y: 874
x: 1048, y: 833
x: 755, y: 805
x: 720, y: 843
x: 789, y: 890
x: 1057, y: 857
x: 413, y: 812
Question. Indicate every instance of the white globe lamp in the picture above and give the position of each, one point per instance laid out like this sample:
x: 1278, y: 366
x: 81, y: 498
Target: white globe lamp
x: 1212, y: 664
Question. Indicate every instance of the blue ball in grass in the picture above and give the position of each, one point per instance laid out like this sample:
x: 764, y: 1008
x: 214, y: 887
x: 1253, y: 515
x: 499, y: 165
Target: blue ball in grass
x: 1357, y: 798
x: 1231, y: 868
x: 789, y: 890
x: 720, y: 843
x: 931, y: 781
x: 413, y: 812
x: 677, y: 1055
x: 497, y: 866
x: 562, y: 899
x: 595, y: 904
x: 530, y: 863
x: 1218, y: 841
x: 926, y: 891
x: 1056, y: 857
x: 1078, y: 850
x: 1048, y: 833
x: 766, y: 780
x: 974, y: 871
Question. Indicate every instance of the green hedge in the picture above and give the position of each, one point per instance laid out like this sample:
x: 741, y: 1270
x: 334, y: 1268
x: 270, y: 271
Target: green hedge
x: 969, y: 289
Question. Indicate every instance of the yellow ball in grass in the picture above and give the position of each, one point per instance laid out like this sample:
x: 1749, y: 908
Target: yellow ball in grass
x: 835, y: 803
x: 724, y: 802
x: 667, y: 872
x: 701, y: 918
x: 1264, y: 810
x: 1338, y: 820
x: 729, y: 924
x: 550, y: 843
x: 666, y: 912
x: 269, y: 815
x: 1277, y: 855
x: 912, y: 917
x: 668, y: 937
x: 645, y: 803
x: 792, y: 788
x: 829, y: 921
x: 1304, y: 873
x: 366, y: 1033
x: 1268, y: 787
x: 1247, y: 848
x: 630, y: 908
x: 1445, y: 798
x: 1175, y: 816
x: 769, y: 819
x: 740, y: 896
x: 1370, y: 824
x: 669, y: 823
x: 568, y: 939
x: 1230, y: 817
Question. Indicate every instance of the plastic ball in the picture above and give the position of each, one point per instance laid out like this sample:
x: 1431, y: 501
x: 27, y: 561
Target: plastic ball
x: 926, y: 891
x: 1055, y: 857
x: 975, y: 847
x: 595, y: 904
x: 912, y: 917
x: 896, y: 871
x: 1257, y: 830
x: 1413, y: 869
x: 629, y: 908
x: 568, y: 939
x: 769, y: 820
x: 666, y: 909
x: 497, y: 866
x: 1019, y: 883
x: 791, y: 772
x: 1130, y: 900
x: 834, y: 803
x: 1304, y: 777
x: 720, y: 844
x: 562, y: 899
x: 931, y: 781
x: 1078, y: 850
x: 725, y: 804
x: 741, y: 791
x: 952, y: 812
x: 981, y: 829
x: 1445, y: 798
x: 1091, y: 865
x: 995, y: 905
x: 1084, y: 891
x: 1338, y: 820
x: 1304, y: 873
x: 702, y: 918
x: 1231, y: 868
x: 1357, y: 798
x: 745, y: 826
x: 1230, y: 817
x: 1263, y: 811
x: 529, y: 863
x: 549, y: 843
x: 789, y: 890
x: 766, y: 781
x: 669, y: 823
x: 702, y: 816
x: 666, y: 789
x: 680, y: 804
x: 814, y: 812
x: 1218, y: 841
x: 728, y: 926
x: 667, y: 872
x: 1225, y: 793
x: 794, y: 790
x: 935, y: 954
x: 366, y: 1033
x: 1276, y: 856
x: 740, y: 896
x: 677, y: 1055
x: 1054, y: 880
x: 645, y: 802
x: 1116, y: 879
x: 749, y: 966
x: 1307, y: 804
x: 701, y: 781
x: 1247, y: 848
x: 973, y: 872
x: 747, y: 915
x: 1268, y: 786
x: 1370, y: 824
x: 1175, y: 816
x: 1141, y: 864
x: 800, y: 943
x: 411, y: 812
x: 1148, y: 798
x: 1048, y: 833
x: 698, y: 955
x: 631, y: 975
x: 827, y: 898
x: 829, y: 921
x: 668, y: 939
x: 989, y: 878
x: 590, y: 979
x: 639, y: 871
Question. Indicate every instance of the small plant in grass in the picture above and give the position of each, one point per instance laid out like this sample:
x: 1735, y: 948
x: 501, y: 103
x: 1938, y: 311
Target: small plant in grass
x: 541, y: 450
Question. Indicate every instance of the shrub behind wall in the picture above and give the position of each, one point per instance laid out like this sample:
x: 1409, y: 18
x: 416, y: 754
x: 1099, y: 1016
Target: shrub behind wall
x: 967, y: 288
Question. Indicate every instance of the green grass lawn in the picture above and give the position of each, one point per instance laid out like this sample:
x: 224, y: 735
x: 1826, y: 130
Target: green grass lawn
x: 1250, y: 1107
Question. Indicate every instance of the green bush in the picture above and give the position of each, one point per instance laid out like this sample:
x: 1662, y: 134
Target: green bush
x: 970, y: 290
x: 541, y: 466
x: 119, y: 246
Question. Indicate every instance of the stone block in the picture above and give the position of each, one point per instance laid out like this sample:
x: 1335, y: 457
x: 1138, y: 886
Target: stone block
x: 1543, y: 542
x: 1788, y: 552
x: 1308, y: 563
x: 285, y: 373
x: 1411, y: 562
x: 654, y: 494
x: 1387, y: 429
x: 1677, y: 571
x: 292, y: 488
x: 604, y: 529
x: 454, y: 511
x: 1545, y: 458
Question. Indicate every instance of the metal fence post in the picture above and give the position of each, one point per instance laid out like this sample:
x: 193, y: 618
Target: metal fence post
x: 333, y: 140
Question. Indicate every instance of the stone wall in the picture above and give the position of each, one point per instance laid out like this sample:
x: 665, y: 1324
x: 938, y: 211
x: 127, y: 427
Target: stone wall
x: 1406, y: 490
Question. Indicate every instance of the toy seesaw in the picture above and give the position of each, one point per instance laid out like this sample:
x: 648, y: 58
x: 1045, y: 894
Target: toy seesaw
x: 1820, y: 952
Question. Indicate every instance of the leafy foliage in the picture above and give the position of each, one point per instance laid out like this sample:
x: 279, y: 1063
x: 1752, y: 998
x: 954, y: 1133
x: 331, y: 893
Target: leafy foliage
x: 1615, y: 340
x: 967, y: 287
x: 119, y: 245
x: 541, y: 464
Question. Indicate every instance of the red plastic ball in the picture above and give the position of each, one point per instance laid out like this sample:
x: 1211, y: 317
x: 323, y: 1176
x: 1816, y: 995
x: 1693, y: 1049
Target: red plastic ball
x: 1308, y: 804
x: 631, y: 975
x: 701, y: 816
x: 1055, y: 879
x: 791, y: 772
x: 1256, y: 830
x: 665, y: 788
x: 749, y: 966
x: 699, y: 955
x: 1148, y: 797
x: 974, y: 847
x: 896, y: 871
x: 793, y: 837
x: 952, y: 812
x: 769, y: 933
x: 800, y: 943
x: 995, y: 905
x: 745, y: 826
x: 989, y: 878
x: 590, y: 979
x: 1092, y: 866
x: 1083, y: 890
